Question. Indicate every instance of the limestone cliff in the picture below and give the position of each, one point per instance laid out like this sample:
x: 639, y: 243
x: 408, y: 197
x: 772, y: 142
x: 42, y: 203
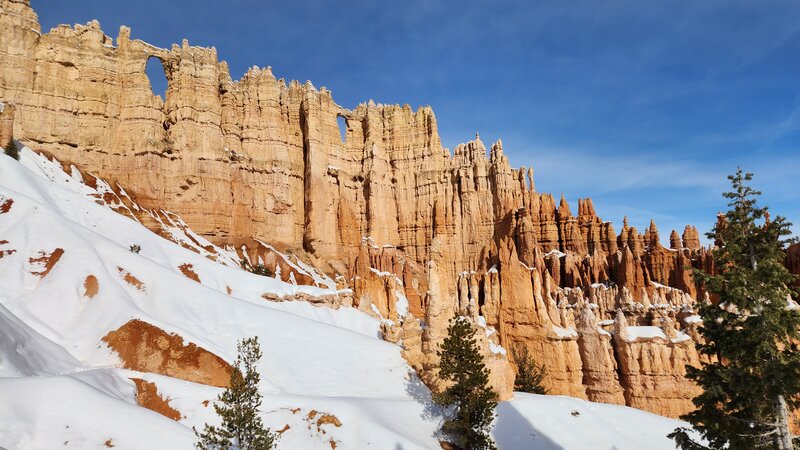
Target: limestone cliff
x: 259, y: 164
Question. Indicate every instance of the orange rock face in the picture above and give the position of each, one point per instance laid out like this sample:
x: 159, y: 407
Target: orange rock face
x: 188, y: 271
x: 147, y: 348
x: 417, y: 232
x: 45, y: 262
x: 90, y: 286
x: 6, y: 124
x: 147, y: 396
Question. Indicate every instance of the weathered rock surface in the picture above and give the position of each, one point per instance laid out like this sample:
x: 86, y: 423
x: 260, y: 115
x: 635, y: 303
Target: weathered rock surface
x: 147, y: 396
x: 6, y: 124
x: 653, y: 369
x: 259, y: 166
x: 147, y: 348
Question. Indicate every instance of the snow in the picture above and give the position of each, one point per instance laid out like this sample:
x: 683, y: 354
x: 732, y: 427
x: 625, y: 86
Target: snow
x: 401, y: 304
x: 546, y: 422
x: 494, y: 348
x: 64, y: 412
x: 645, y: 332
x: 681, y: 337
x: 564, y: 333
x: 693, y: 319
x: 61, y: 387
x: 384, y: 274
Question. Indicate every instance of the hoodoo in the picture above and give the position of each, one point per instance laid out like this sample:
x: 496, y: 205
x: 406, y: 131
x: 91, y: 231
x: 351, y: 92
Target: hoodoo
x: 417, y: 232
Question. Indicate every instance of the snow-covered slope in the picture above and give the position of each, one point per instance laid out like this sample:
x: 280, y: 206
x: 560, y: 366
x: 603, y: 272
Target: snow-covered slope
x: 328, y: 379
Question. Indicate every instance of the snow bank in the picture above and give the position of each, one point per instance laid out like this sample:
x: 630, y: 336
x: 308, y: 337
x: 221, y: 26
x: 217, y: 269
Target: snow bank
x: 550, y: 422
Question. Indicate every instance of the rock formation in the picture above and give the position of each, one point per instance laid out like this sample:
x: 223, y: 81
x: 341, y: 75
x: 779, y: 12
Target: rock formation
x: 793, y: 259
x: 6, y: 124
x: 418, y: 233
x: 147, y: 348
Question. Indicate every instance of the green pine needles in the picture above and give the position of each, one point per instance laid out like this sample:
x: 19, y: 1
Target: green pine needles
x: 529, y: 374
x: 258, y: 269
x: 238, y: 406
x: 12, y: 150
x: 469, y: 399
x: 752, y: 379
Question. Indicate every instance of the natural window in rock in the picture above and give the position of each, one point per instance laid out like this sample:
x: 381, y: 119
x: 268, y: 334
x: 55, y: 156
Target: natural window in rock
x: 342, y: 121
x: 157, y: 76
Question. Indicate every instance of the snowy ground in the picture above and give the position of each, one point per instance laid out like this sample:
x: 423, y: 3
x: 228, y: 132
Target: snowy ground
x: 61, y: 387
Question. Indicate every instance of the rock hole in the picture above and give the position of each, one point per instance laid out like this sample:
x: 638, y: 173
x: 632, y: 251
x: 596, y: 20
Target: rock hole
x: 342, y: 121
x: 157, y: 77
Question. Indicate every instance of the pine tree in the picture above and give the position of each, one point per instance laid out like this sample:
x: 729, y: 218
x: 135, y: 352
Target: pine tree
x: 750, y: 336
x: 12, y: 150
x: 529, y: 374
x: 469, y: 399
x: 238, y: 406
x: 258, y: 269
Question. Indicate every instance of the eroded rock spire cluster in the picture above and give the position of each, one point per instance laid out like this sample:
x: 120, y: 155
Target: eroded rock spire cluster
x: 387, y: 210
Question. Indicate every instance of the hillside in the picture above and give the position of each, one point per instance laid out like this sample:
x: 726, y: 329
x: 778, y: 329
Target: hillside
x: 329, y: 380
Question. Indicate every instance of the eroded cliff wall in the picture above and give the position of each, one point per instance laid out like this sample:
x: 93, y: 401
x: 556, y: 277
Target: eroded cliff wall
x: 387, y: 208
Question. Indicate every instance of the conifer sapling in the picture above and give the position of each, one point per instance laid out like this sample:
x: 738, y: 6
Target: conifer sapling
x: 469, y: 399
x: 529, y: 374
x: 239, y: 407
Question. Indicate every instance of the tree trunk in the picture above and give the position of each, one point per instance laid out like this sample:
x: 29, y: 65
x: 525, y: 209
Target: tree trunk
x: 783, y: 439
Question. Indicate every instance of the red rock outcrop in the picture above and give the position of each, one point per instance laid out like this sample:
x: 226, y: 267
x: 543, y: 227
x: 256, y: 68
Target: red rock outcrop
x: 147, y: 348
x: 600, y: 372
x: 6, y: 124
x: 45, y: 262
x: 148, y: 397
x: 653, y: 367
x: 90, y: 286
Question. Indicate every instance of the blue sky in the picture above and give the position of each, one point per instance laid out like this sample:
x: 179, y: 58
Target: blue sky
x: 644, y: 106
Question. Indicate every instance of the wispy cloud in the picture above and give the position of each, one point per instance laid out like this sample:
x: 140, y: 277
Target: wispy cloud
x: 609, y: 171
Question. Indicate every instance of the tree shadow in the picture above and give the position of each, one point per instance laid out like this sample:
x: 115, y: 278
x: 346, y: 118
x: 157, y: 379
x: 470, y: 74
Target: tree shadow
x: 512, y: 431
x: 420, y: 392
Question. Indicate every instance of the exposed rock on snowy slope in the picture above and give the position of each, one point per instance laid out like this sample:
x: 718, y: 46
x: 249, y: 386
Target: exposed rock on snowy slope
x: 328, y: 379
x: 257, y: 167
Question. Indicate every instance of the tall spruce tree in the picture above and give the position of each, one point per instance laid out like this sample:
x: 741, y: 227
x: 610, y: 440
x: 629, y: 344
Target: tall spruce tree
x: 751, y: 334
x: 469, y: 399
x: 238, y: 406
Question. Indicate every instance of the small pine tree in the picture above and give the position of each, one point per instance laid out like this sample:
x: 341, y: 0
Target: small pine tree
x: 12, y: 150
x: 529, y: 374
x: 135, y: 248
x: 238, y: 406
x: 752, y: 379
x: 258, y: 269
x: 469, y: 399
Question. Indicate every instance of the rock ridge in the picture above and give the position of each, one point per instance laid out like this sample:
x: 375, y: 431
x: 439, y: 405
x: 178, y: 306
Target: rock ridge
x: 418, y: 233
